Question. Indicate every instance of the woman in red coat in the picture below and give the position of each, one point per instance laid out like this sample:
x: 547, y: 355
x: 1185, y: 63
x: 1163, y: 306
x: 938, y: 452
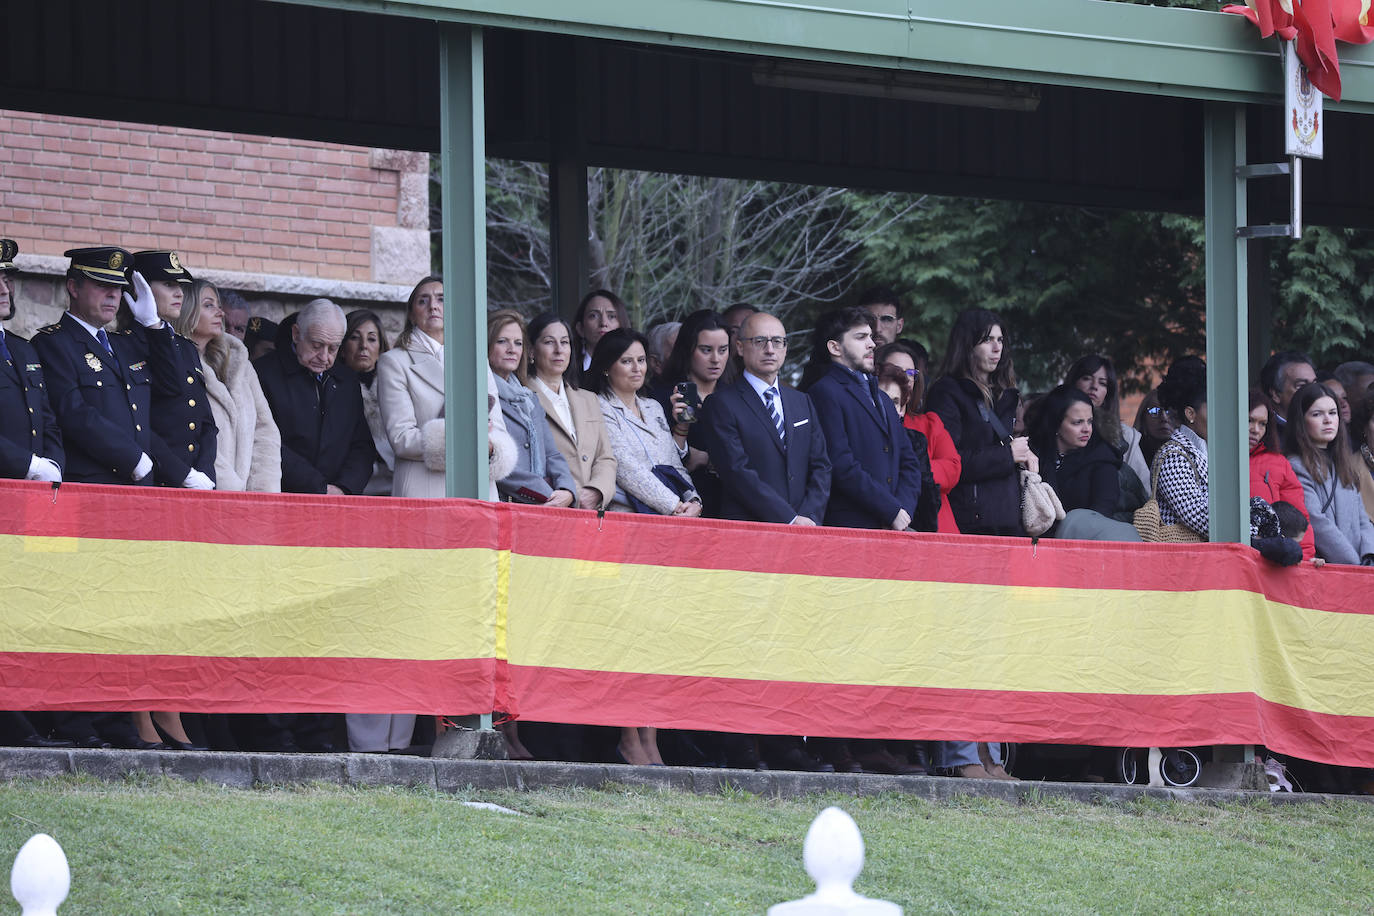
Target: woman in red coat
x: 1271, y: 476
x: 945, y: 463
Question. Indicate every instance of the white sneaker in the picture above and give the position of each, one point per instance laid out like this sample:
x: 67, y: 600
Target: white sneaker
x: 1278, y: 780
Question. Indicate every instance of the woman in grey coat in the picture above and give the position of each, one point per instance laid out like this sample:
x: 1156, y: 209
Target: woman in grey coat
x: 1314, y: 441
x: 541, y: 475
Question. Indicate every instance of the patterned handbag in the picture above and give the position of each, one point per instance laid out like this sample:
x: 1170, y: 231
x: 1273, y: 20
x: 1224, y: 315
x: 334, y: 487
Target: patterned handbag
x: 1147, y: 519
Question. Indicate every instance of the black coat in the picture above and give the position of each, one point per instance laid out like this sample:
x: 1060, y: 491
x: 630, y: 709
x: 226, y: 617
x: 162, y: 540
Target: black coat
x: 324, y: 435
x: 103, y: 404
x: 987, y: 499
x: 28, y: 426
x: 182, y: 420
x: 1087, y: 478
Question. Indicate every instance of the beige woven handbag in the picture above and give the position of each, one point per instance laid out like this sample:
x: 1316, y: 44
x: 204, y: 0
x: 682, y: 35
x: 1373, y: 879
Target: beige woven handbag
x: 1040, y: 505
x: 1147, y: 519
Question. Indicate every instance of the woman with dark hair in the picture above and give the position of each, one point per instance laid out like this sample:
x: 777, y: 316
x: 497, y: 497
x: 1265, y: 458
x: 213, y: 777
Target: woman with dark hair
x: 941, y: 455
x: 541, y: 476
x: 1271, y: 476
x: 644, y: 447
x: 1081, y: 466
x: 1155, y: 425
x: 701, y: 357
x: 1180, y: 465
x: 1095, y: 376
x: 363, y: 345
x: 976, y: 399
x: 574, y: 416
x: 599, y: 311
x: 1330, y: 477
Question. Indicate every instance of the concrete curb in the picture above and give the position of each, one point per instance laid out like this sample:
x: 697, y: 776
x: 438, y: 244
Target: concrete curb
x: 249, y: 770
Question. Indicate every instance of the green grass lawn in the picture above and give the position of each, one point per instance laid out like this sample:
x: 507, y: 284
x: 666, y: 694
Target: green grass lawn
x: 169, y: 847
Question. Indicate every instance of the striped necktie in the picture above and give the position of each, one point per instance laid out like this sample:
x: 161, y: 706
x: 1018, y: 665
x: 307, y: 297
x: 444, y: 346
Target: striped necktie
x: 770, y: 397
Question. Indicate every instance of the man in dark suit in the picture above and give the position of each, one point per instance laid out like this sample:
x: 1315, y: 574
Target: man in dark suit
x: 30, y: 442
x: 875, y: 477
x: 99, y: 384
x: 318, y: 405
x: 764, y: 445
x: 770, y: 456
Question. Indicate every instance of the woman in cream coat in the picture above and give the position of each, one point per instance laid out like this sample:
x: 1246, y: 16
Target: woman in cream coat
x: 410, y: 390
x: 248, y: 445
x: 574, y: 416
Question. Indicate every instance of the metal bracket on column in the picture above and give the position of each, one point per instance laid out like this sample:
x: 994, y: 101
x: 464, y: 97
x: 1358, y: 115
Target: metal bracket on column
x: 1293, y: 228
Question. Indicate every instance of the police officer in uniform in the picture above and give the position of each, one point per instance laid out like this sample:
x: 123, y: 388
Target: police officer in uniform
x: 99, y: 384
x: 181, y: 410
x: 30, y: 442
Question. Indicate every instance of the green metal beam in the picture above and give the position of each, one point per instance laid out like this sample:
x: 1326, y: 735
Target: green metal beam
x: 463, y: 166
x: 1228, y: 455
x: 1091, y: 43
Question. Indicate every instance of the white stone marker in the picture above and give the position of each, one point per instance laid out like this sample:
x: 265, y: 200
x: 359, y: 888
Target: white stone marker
x: 834, y: 856
x: 40, y: 878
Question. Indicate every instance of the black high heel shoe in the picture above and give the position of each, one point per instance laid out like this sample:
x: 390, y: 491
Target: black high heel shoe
x: 173, y: 743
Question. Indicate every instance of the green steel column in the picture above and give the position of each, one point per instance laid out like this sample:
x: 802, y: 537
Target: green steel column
x: 463, y: 165
x: 1228, y: 457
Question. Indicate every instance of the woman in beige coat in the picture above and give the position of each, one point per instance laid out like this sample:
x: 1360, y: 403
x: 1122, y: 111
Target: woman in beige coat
x: 248, y: 445
x: 574, y: 416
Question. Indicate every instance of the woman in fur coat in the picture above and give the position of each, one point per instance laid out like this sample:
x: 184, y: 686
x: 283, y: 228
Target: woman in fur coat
x: 248, y: 447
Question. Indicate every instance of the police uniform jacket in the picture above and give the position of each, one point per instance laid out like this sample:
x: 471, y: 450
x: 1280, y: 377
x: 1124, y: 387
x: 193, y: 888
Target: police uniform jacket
x: 324, y: 435
x: 182, y: 418
x: 27, y: 424
x: 102, y: 402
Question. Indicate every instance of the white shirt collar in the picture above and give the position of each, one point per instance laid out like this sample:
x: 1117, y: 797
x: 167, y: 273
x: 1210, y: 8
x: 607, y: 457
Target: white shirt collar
x: 758, y: 384
x: 90, y: 328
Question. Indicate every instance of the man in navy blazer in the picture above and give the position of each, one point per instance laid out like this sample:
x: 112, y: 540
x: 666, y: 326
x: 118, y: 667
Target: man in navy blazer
x: 763, y: 439
x: 875, y: 476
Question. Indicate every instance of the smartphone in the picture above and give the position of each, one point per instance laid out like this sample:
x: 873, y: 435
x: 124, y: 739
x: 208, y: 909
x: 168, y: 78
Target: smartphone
x: 687, y: 413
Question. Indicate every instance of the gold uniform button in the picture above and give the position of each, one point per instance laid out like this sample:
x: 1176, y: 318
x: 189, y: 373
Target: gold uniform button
x: 190, y: 426
x: 191, y: 402
x: 190, y: 448
x: 100, y: 384
x: 30, y: 410
x: 137, y: 427
x: 128, y: 387
x: 134, y: 406
x: 190, y: 380
x: 33, y: 432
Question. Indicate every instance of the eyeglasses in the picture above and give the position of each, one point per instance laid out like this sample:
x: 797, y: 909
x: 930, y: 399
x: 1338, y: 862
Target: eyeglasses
x: 887, y: 319
x: 778, y: 343
x: 1156, y: 411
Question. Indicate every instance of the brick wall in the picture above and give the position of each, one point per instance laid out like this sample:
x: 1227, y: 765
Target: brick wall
x: 229, y: 202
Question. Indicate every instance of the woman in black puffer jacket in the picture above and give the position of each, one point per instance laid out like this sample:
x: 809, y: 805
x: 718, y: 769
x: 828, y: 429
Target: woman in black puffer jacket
x: 976, y: 399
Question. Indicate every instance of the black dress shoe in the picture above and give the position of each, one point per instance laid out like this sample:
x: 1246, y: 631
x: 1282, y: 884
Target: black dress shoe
x: 90, y: 741
x: 795, y: 758
x: 40, y: 741
x: 138, y: 744
x: 176, y: 745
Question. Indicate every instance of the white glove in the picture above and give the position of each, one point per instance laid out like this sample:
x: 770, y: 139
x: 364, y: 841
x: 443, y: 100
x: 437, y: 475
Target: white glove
x: 198, y: 481
x: 144, y: 467
x: 145, y: 306
x: 44, y: 469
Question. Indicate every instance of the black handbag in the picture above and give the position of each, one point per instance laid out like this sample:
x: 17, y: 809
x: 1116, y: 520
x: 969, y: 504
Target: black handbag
x: 927, y: 517
x: 670, y: 478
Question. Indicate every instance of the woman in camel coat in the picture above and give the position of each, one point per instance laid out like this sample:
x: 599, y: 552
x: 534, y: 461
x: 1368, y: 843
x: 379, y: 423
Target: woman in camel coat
x: 574, y: 416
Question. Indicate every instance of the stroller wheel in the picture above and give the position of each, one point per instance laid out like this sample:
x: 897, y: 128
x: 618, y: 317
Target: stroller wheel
x: 1128, y: 767
x: 1180, y: 766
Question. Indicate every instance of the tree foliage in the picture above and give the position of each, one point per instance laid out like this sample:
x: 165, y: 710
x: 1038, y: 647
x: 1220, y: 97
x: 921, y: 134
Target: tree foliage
x: 670, y: 244
x: 1066, y: 280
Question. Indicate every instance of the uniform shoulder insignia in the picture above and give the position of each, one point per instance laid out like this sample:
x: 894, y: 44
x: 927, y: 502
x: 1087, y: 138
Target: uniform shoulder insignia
x: 126, y: 331
x: 50, y: 329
